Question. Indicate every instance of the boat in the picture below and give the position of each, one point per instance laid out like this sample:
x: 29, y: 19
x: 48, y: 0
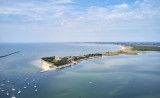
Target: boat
x: 25, y: 87
x: 7, y: 93
x: 90, y: 82
x: 19, y: 91
x: 36, y: 90
x: 35, y: 86
x: 13, y: 96
x: 2, y: 90
x: 13, y: 89
x: 2, y: 84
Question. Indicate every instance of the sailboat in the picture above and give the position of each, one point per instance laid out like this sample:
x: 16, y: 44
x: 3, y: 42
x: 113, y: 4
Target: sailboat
x: 35, y: 86
x: 25, y: 87
x: 2, y: 90
x: 13, y: 95
x: 2, y: 84
x: 36, y: 90
x: 7, y: 93
x: 19, y: 91
x: 13, y: 89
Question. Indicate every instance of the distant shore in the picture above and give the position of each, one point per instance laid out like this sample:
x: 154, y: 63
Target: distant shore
x: 47, y: 66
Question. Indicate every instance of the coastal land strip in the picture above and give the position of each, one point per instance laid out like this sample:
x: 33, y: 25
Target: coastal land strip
x: 51, y: 63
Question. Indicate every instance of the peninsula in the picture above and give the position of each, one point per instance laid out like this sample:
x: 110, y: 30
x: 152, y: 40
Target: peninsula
x: 50, y: 63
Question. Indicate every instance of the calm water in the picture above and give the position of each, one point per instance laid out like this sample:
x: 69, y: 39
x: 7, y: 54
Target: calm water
x: 123, y: 76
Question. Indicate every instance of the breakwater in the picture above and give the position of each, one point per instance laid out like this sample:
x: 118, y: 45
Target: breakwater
x: 10, y: 54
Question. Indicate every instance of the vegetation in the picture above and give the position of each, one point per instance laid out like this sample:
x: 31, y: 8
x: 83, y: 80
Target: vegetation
x: 120, y: 52
x: 49, y: 59
x: 146, y: 48
x: 52, y: 60
x: 65, y: 60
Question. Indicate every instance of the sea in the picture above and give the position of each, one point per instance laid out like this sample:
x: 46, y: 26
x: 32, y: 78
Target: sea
x: 122, y: 76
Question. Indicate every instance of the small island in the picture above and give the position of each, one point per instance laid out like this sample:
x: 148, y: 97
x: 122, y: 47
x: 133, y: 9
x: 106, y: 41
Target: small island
x: 50, y: 63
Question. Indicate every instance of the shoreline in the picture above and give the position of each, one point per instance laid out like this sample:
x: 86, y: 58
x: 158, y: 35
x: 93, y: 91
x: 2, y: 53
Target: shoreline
x: 47, y: 66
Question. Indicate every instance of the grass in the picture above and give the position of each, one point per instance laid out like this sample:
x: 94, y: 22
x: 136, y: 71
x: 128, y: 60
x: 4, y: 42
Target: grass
x: 146, y: 48
x: 121, y: 52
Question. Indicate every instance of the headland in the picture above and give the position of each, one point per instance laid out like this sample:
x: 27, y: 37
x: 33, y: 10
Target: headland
x: 51, y: 63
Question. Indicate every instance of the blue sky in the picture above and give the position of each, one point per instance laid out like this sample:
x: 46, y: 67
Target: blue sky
x: 79, y: 20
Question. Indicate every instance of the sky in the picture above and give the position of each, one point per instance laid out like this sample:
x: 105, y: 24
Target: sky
x: 79, y: 21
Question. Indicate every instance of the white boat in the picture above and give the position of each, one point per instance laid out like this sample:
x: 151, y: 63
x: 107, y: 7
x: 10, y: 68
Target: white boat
x: 35, y: 86
x: 25, y: 87
x: 19, y: 92
x: 13, y: 89
x: 2, y: 84
x: 36, y: 90
x: 13, y: 97
x: 2, y: 90
x: 90, y: 82
x: 7, y: 94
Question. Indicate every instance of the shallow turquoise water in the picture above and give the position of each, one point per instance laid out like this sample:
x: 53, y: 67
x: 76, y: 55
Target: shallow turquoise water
x: 123, y: 76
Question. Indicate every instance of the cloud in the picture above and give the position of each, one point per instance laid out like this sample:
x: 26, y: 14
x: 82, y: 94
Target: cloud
x: 55, y: 9
x: 121, y: 6
x: 62, y: 1
x: 38, y: 10
x: 94, y: 22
